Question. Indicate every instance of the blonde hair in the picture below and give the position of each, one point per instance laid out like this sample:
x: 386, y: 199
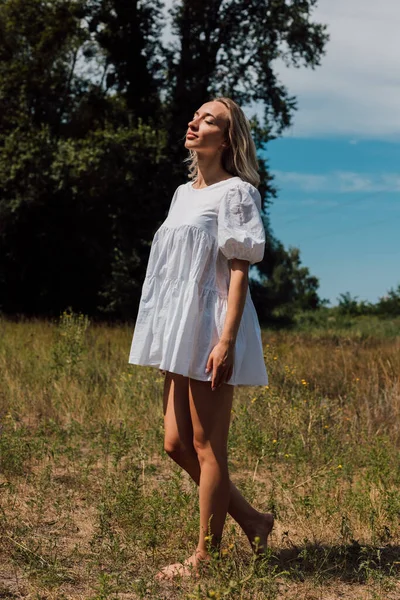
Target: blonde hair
x: 240, y: 157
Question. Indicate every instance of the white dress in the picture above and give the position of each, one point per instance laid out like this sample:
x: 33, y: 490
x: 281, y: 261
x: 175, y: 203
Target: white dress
x: 184, y: 297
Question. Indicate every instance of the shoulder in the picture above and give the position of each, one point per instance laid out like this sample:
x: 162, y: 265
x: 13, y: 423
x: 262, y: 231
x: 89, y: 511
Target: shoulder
x: 179, y: 190
x: 245, y: 192
x: 184, y: 188
x: 176, y: 194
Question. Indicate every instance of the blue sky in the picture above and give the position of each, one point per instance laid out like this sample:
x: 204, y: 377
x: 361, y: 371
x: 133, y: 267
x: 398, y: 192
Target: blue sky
x: 345, y: 222
x: 338, y: 168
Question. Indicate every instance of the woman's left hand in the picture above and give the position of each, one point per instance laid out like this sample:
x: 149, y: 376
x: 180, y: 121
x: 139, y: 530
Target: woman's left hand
x: 221, y: 361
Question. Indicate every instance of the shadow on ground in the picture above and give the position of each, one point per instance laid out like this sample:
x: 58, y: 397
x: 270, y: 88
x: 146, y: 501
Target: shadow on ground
x: 351, y: 563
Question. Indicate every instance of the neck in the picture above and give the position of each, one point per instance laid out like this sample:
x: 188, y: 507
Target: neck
x: 210, y: 170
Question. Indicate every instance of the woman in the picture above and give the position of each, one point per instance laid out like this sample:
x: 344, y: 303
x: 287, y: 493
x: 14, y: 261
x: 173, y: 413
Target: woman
x: 196, y: 320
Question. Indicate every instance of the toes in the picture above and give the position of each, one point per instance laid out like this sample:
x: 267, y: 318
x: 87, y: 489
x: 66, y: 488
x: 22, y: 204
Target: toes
x: 171, y: 571
x: 189, y: 568
x: 168, y: 572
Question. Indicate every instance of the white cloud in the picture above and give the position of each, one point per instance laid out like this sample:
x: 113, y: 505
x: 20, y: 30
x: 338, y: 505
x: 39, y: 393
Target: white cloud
x: 355, y: 92
x: 304, y: 181
x: 338, y: 181
x: 309, y: 202
x: 318, y: 202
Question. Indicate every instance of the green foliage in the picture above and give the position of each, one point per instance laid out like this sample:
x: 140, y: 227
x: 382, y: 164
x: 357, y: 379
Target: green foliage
x: 128, y: 34
x: 114, y: 177
x: 229, y: 49
x: 286, y: 305
x: 387, y: 306
x: 286, y: 288
x: 69, y: 211
x: 70, y: 342
x: 390, y: 304
x: 332, y: 320
x: 93, y: 107
x: 14, y: 449
x: 350, y: 307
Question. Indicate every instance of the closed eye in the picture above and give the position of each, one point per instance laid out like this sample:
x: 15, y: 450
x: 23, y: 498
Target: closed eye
x: 208, y: 122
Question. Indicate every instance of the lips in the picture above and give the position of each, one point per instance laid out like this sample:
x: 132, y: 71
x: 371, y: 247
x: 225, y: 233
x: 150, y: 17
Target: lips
x: 190, y: 134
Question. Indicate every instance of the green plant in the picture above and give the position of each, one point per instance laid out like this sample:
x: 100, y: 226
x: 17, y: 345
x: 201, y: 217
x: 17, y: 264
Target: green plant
x: 69, y: 346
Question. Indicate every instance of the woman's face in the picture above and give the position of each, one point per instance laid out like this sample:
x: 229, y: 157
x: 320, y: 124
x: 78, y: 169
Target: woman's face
x: 206, y: 130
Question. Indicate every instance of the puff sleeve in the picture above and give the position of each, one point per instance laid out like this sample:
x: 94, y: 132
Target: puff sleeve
x: 241, y: 232
x: 174, y: 197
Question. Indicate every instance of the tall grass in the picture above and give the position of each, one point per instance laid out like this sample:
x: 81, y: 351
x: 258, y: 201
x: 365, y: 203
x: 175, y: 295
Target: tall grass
x: 91, y: 507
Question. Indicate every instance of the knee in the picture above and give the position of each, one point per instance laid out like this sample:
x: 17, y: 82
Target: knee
x: 207, y: 452
x: 176, y: 449
x: 172, y: 447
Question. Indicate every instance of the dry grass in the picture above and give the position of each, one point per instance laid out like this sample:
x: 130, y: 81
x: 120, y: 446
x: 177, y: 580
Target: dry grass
x: 91, y: 507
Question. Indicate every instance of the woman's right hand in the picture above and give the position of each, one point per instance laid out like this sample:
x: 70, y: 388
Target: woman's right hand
x: 220, y: 362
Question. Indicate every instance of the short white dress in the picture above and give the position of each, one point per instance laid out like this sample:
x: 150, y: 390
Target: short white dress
x: 184, y: 298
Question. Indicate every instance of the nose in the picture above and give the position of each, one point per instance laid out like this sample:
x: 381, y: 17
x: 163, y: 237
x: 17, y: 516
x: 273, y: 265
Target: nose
x: 192, y: 122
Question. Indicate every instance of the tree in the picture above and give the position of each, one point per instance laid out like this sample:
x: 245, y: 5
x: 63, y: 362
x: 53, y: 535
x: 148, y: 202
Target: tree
x: 229, y: 48
x: 76, y: 166
x: 287, y: 287
x: 128, y: 32
x: 39, y: 44
x: 92, y: 107
x: 389, y: 305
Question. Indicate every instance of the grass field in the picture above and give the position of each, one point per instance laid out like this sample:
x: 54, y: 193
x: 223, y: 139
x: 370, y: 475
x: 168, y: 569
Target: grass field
x: 91, y: 506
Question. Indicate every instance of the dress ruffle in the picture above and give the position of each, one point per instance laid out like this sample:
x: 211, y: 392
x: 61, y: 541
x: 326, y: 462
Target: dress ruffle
x: 183, y: 309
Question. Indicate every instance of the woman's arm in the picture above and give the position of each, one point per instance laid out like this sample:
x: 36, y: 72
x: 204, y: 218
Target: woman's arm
x: 236, y: 299
x: 221, y: 358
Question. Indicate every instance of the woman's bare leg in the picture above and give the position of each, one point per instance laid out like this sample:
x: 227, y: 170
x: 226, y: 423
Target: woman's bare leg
x: 179, y: 445
x: 211, y: 413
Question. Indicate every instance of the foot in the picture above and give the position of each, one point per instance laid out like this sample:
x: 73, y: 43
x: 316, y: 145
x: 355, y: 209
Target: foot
x: 189, y: 568
x: 260, y: 528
